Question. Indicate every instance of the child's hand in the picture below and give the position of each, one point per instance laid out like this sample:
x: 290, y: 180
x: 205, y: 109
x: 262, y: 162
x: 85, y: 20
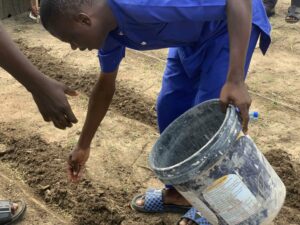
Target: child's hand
x: 76, y: 163
x: 53, y: 104
x: 236, y: 93
x: 35, y: 11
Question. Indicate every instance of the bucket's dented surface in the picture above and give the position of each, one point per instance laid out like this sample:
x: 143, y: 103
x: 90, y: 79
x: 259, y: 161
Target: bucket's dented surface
x: 218, y: 170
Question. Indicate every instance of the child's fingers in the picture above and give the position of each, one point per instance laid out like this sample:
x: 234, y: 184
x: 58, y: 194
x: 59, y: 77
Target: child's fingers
x: 80, y: 174
x: 70, y: 115
x: 70, y: 173
x: 74, y: 176
x: 72, y: 169
x: 223, y: 105
x: 70, y: 91
x: 244, y: 111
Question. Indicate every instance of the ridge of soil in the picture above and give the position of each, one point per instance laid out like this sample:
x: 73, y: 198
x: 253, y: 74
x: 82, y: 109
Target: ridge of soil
x: 43, y: 170
x: 42, y: 166
x: 127, y: 100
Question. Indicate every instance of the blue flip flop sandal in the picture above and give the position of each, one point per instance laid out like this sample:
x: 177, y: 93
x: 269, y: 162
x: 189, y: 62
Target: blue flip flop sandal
x: 154, y: 203
x: 293, y: 15
x: 7, y: 217
x: 195, y: 216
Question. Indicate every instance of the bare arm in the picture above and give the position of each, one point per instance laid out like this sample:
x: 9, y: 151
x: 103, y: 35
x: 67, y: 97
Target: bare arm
x: 239, y: 27
x: 15, y: 63
x: 98, y: 105
x: 48, y: 94
x: 99, y: 102
x: 239, y: 15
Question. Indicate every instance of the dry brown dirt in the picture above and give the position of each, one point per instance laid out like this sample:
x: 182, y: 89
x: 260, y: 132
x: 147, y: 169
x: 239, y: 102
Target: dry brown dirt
x: 33, y: 153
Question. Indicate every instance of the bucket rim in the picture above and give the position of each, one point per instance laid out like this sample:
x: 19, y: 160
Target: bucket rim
x: 230, y: 109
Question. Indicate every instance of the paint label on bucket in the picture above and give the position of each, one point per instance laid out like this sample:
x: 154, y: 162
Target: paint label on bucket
x: 231, y: 199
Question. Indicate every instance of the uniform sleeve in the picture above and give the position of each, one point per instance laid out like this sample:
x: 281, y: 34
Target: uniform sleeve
x: 111, y: 55
x: 175, y: 11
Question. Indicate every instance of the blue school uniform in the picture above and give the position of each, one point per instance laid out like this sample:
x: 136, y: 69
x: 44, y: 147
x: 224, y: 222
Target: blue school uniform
x: 196, y: 33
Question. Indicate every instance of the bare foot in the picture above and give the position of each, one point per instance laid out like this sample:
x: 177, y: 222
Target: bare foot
x: 14, y: 208
x: 193, y: 217
x: 170, y: 196
x: 186, y: 222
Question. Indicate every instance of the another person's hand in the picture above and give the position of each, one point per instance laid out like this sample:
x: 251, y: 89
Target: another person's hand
x: 76, y: 162
x: 53, y: 104
x: 236, y: 93
x: 35, y: 9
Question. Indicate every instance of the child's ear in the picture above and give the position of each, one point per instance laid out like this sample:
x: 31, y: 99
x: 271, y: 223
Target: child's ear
x: 84, y: 19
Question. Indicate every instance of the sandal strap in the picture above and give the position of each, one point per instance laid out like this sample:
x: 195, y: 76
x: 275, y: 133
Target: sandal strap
x: 194, y: 215
x: 5, y: 211
x: 292, y: 10
x: 154, y: 201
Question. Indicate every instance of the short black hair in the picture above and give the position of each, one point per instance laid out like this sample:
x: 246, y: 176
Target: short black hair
x: 50, y: 10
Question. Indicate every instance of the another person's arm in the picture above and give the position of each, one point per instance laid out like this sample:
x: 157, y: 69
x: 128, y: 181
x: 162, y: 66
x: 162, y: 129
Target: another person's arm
x: 99, y: 102
x: 48, y: 94
x: 239, y: 16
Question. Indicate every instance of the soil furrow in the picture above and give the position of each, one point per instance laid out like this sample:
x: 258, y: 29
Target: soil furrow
x: 127, y: 100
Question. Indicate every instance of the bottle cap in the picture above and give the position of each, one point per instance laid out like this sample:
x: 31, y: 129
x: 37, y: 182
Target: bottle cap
x: 255, y: 114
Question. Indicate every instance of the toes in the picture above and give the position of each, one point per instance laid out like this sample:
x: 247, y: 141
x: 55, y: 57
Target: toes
x: 14, y: 207
x: 183, y: 222
x: 140, y: 201
x: 191, y: 223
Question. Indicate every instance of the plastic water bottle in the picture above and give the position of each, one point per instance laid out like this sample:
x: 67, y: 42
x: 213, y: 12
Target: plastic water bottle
x: 253, y: 115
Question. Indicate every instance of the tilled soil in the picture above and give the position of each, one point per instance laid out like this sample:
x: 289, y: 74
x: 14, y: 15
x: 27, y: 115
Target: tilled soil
x: 43, y: 168
x: 289, y: 172
x: 128, y: 101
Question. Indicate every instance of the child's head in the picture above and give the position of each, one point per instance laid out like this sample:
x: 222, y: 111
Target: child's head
x: 84, y: 24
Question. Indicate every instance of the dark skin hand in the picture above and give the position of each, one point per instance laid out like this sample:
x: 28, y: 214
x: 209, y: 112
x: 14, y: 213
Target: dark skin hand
x: 237, y: 94
x: 48, y: 94
x: 239, y: 16
x: 53, y: 103
x: 76, y: 163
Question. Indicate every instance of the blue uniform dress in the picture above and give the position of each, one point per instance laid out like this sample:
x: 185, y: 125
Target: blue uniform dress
x: 196, y: 33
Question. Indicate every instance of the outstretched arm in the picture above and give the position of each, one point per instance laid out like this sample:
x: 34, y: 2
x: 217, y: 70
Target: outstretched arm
x: 99, y: 102
x: 48, y: 94
x: 239, y: 15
